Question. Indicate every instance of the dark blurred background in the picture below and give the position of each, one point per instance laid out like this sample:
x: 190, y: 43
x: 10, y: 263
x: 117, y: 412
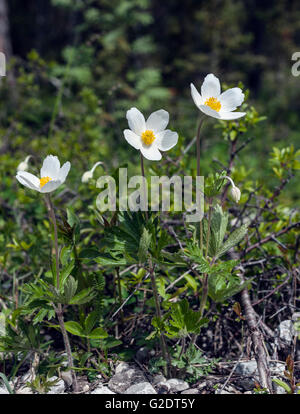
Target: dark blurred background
x: 112, y: 54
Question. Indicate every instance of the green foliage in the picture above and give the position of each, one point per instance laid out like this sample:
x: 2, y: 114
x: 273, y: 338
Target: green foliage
x: 41, y: 384
x: 222, y: 283
x: 71, y: 100
x: 191, y: 364
x: 184, y: 320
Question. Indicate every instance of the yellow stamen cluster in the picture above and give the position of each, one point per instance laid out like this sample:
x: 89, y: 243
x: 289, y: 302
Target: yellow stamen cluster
x: 44, y: 180
x: 148, y: 137
x: 213, y: 103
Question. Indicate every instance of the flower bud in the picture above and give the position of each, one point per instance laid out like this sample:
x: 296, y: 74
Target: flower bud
x: 23, y: 166
x: 88, y: 175
x: 235, y: 193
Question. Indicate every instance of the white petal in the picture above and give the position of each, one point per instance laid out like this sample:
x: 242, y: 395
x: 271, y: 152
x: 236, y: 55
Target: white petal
x: 29, y: 180
x: 151, y: 152
x: 133, y: 139
x: 51, y: 167
x: 228, y: 116
x: 231, y: 99
x: 50, y: 186
x: 158, y: 121
x: 210, y: 87
x: 136, y: 121
x: 208, y: 111
x: 197, y: 98
x: 64, y: 171
x: 166, y: 140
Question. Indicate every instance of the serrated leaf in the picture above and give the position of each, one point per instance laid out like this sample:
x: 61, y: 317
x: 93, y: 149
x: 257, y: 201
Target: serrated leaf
x: 144, y: 245
x: 83, y: 296
x: 233, y: 240
x: 74, y: 328
x: 222, y: 286
x: 70, y: 288
x: 90, y: 321
x: 98, y: 333
x: 65, y: 272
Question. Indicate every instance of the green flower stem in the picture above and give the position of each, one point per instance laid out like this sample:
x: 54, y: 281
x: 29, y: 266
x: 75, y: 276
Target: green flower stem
x: 58, y: 309
x: 120, y: 293
x: 163, y: 344
x: 164, y: 348
x: 208, y: 229
x: 205, y: 277
x: 198, y: 174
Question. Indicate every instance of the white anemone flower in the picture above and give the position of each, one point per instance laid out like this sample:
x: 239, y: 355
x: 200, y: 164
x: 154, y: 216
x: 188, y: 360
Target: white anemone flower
x: 52, y: 176
x: 151, y: 136
x: 235, y: 191
x: 216, y: 104
x: 88, y: 175
x: 23, y: 166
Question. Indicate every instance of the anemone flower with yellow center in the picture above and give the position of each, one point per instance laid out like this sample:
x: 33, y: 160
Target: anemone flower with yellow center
x: 51, y: 176
x: 216, y: 104
x: 151, y: 136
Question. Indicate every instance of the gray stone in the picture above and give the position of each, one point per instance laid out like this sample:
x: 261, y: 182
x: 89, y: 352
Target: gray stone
x: 158, y: 378
x: 66, y: 376
x: 162, y: 387
x: 201, y: 385
x: 177, y: 385
x: 286, y: 331
x: 24, y: 390
x: 122, y: 366
x: 246, y: 368
x: 191, y: 391
x: 3, y: 390
x: 123, y: 380
x: 227, y: 390
x: 141, y: 388
x: 102, y: 390
x: 59, y: 388
x: 277, y: 368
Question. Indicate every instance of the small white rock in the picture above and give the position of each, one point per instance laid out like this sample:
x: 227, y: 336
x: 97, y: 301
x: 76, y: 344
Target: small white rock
x: 158, y: 378
x: 122, y: 366
x: 102, y: 390
x: 66, y: 376
x: 191, y: 391
x: 163, y: 387
x: 286, y: 331
x: 3, y: 390
x: 178, y: 385
x: 141, y: 388
x: 246, y: 368
x: 24, y: 390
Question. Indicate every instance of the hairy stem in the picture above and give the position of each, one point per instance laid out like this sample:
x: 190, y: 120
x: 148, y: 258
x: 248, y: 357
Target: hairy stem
x: 198, y: 174
x: 164, y: 348
x: 120, y: 293
x: 58, y: 309
x: 163, y: 344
